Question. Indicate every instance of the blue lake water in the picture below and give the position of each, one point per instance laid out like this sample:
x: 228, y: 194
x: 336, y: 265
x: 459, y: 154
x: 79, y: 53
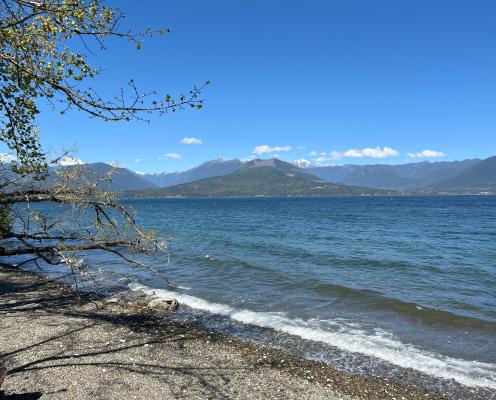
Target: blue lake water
x: 410, y: 281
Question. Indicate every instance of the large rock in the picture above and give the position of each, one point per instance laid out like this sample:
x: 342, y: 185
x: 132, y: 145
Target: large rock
x: 159, y: 305
x: 137, y: 302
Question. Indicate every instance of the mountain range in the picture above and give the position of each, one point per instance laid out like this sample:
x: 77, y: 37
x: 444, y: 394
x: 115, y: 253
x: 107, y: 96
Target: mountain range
x: 259, y: 178
x: 479, y: 177
x: 276, y: 177
x: 405, y: 177
x: 472, y: 176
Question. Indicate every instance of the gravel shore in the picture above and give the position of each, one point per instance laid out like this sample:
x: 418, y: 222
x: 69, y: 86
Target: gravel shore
x: 58, y: 347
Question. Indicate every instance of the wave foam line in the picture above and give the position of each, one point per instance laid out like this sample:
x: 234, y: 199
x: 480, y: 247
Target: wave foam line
x: 380, y: 344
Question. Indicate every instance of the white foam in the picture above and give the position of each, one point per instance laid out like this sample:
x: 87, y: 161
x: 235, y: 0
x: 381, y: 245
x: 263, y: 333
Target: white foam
x: 348, y: 337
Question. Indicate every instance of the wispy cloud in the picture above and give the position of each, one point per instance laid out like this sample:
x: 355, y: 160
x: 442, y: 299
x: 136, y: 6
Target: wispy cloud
x: 427, y: 154
x: 191, y: 140
x: 138, y: 160
x: 175, y: 156
x: 7, y: 158
x: 264, y: 149
x: 372, y: 152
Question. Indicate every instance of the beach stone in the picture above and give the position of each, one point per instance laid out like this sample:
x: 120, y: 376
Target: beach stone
x: 163, y: 305
x: 112, y: 300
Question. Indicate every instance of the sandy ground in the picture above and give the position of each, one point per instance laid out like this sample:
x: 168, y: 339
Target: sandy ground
x: 56, y: 348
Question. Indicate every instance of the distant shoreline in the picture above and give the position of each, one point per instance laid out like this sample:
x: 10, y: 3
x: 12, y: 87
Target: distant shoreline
x: 305, y: 197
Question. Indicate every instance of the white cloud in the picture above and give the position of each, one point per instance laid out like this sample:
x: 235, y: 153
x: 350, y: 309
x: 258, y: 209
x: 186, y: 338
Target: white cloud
x: 373, y: 152
x: 427, y: 154
x: 138, y: 160
x: 68, y: 160
x: 313, y: 153
x: 377, y: 152
x: 175, y: 156
x: 191, y: 140
x: 352, y: 153
x: 7, y: 158
x: 263, y: 149
x: 139, y: 173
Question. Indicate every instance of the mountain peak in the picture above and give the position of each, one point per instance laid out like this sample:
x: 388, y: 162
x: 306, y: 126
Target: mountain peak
x: 221, y: 159
x: 66, y: 161
x: 303, y: 163
x: 260, y: 163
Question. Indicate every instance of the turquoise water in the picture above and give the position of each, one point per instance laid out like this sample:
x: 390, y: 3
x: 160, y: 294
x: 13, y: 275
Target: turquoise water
x: 407, y: 281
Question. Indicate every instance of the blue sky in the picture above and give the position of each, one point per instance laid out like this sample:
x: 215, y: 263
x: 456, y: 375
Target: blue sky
x: 332, y: 81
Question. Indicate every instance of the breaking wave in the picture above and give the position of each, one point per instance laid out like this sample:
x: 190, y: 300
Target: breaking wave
x: 349, y: 337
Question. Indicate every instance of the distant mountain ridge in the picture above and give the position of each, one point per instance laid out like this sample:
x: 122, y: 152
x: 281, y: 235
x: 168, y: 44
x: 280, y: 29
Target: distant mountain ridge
x: 122, y: 179
x: 111, y: 178
x: 479, y: 177
x: 258, y: 178
x: 405, y: 177
x: 219, y: 166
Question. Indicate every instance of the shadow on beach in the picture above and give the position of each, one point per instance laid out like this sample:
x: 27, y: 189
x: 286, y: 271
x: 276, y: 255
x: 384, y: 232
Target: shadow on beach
x: 23, y: 396
x: 74, y: 331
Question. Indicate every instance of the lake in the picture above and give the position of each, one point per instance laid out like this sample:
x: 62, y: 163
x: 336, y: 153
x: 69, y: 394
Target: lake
x: 369, y: 284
